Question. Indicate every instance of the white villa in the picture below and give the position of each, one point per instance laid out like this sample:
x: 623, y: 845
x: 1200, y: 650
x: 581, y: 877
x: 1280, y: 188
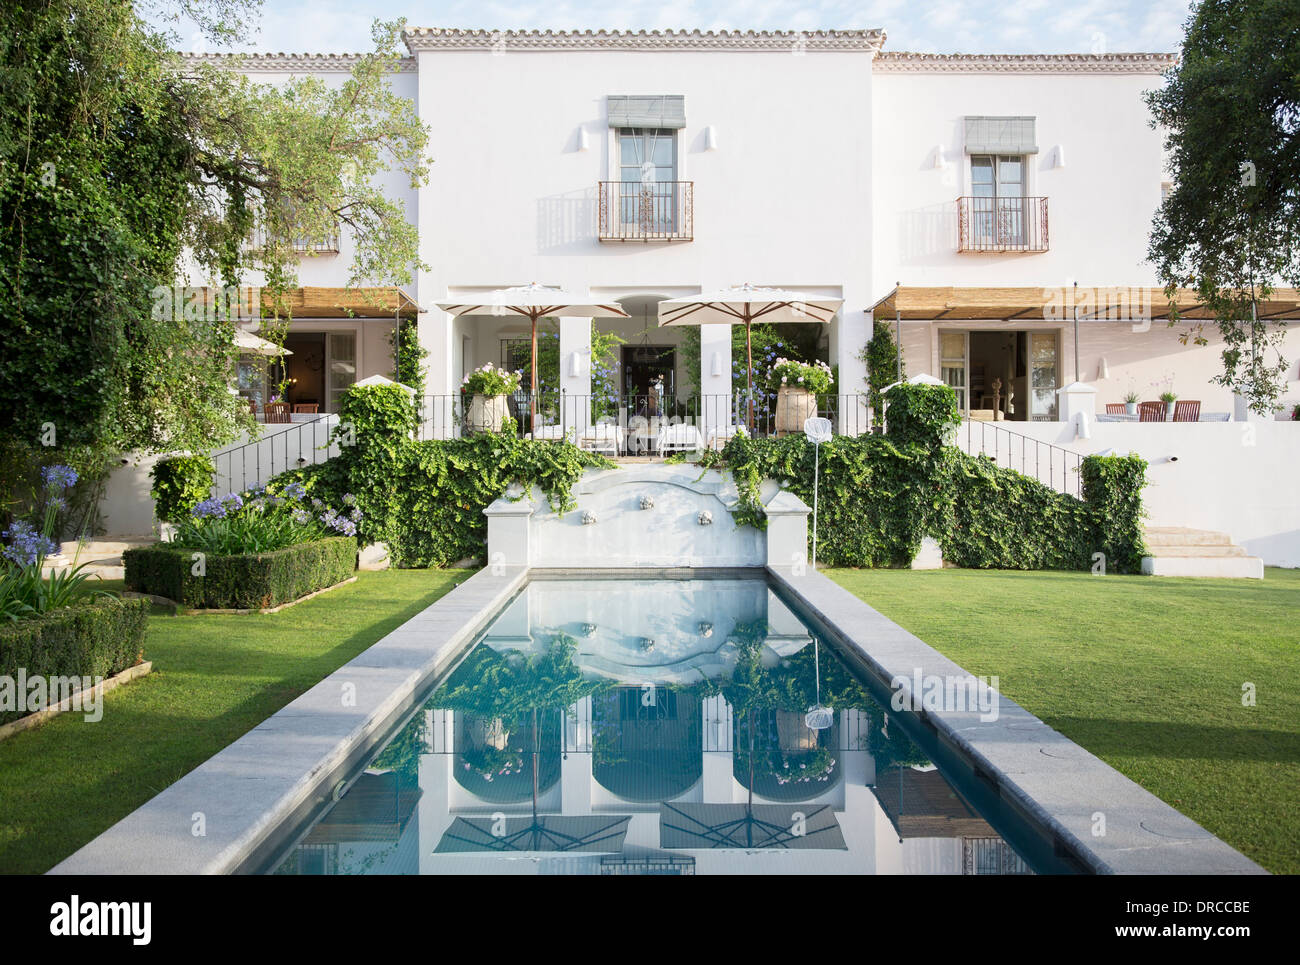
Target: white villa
x: 958, y: 197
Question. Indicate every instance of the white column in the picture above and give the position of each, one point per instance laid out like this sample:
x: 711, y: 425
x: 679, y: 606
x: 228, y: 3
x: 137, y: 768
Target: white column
x: 575, y: 373
x: 1242, y: 412
x: 435, y: 329
x: 575, y: 763
x: 715, y: 377
x: 854, y: 328
x: 1078, y: 406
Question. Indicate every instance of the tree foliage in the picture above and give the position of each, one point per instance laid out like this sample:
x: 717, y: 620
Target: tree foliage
x: 126, y: 167
x: 1230, y: 229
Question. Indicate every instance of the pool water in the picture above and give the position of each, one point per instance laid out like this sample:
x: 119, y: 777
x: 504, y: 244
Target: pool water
x: 654, y: 726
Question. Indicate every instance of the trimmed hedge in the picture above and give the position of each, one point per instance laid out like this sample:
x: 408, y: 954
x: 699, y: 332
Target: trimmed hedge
x: 96, y: 639
x: 247, y: 581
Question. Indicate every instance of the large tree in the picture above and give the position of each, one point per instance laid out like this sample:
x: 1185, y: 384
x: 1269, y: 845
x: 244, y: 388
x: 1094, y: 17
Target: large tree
x: 122, y: 164
x: 1231, y: 226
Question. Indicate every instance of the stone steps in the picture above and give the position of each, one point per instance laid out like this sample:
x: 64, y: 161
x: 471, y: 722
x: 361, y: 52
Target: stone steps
x: 1180, y: 551
x: 103, y: 558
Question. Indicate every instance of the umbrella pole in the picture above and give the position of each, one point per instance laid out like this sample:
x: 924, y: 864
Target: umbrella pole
x: 535, y: 742
x: 532, y: 394
x: 749, y: 375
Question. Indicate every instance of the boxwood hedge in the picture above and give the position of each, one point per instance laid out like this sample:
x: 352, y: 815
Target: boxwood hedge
x: 247, y: 581
x: 93, y: 639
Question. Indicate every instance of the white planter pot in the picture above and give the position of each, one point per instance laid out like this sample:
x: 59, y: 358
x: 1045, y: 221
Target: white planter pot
x: 794, y: 406
x: 1169, y: 411
x: 487, y: 413
x: 1131, y: 408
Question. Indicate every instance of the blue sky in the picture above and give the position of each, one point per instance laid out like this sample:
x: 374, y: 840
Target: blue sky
x: 978, y: 26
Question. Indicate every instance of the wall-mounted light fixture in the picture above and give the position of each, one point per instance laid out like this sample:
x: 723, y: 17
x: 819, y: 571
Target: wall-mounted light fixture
x: 710, y: 138
x: 1058, y: 156
x: 1103, y: 370
x: 715, y: 365
x: 583, y: 142
x: 939, y: 163
x: 575, y: 364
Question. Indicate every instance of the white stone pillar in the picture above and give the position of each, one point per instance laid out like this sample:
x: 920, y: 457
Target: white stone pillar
x: 435, y: 329
x: 575, y: 374
x: 853, y: 330
x: 508, y: 532
x: 1242, y: 412
x: 715, y: 378
x: 787, y: 530
x: 1077, y: 405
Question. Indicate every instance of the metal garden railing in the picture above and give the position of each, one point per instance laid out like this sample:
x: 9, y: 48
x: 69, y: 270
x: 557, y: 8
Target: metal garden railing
x: 1052, y: 465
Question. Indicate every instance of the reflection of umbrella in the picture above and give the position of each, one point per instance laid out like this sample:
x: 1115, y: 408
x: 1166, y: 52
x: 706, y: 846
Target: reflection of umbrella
x: 250, y: 344
x: 534, y: 301
x: 691, y: 826
x: 747, y: 304
x: 586, y: 832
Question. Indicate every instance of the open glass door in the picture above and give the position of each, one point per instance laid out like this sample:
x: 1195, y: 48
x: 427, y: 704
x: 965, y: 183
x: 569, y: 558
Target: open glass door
x: 1042, y: 376
x: 953, y: 363
x: 341, y: 366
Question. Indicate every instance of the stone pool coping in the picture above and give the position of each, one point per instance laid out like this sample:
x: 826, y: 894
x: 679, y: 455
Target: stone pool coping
x: 1055, y: 782
x: 252, y: 788
x: 255, y: 787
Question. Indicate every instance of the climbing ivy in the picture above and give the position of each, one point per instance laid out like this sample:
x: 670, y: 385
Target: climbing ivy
x: 180, y: 483
x: 880, y: 495
x: 425, y: 499
x: 1112, y: 486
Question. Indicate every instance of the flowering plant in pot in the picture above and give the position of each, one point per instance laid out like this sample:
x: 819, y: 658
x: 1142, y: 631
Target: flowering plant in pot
x: 488, y: 387
x: 1131, y: 399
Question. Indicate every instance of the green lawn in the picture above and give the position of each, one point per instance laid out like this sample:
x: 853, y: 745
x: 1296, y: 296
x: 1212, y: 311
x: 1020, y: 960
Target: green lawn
x: 214, y: 678
x: 1145, y: 672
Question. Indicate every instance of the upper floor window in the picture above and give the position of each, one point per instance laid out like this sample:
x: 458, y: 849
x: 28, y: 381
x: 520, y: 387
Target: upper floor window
x: 997, y: 176
x: 647, y: 154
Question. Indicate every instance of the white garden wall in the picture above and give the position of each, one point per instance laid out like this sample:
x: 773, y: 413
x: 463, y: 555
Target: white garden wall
x: 1239, y: 478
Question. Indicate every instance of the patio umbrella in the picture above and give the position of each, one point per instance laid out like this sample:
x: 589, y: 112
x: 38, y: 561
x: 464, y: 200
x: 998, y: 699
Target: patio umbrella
x: 552, y: 832
x: 748, y: 826
x: 745, y: 305
x: 533, y: 301
x: 251, y: 344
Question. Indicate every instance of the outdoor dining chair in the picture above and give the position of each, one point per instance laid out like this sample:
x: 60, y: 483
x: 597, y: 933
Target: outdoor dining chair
x: 311, y: 408
x: 274, y: 412
x: 1151, y: 412
x: 1189, y: 411
x: 1115, y: 408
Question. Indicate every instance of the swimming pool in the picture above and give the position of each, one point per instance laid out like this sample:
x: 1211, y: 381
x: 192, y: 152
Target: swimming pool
x: 705, y: 724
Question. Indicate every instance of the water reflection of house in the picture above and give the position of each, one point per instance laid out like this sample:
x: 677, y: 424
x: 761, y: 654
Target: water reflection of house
x: 371, y: 830
x: 937, y: 827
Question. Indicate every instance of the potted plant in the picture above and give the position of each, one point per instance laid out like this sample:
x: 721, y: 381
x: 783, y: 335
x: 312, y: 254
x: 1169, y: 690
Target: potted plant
x: 1169, y: 398
x: 1131, y: 398
x: 488, y: 388
x: 798, y: 384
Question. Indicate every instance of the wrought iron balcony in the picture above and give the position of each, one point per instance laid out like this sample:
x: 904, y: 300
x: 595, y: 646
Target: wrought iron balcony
x: 1002, y: 224
x: 651, y: 211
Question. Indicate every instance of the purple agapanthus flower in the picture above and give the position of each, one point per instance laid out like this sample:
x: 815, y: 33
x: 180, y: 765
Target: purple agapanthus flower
x: 295, y: 490
x: 59, y: 477
x: 27, y: 544
x: 340, y: 524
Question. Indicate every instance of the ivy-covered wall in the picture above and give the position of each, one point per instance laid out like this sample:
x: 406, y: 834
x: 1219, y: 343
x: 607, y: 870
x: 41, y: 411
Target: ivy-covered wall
x: 425, y: 499
x: 879, y: 496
